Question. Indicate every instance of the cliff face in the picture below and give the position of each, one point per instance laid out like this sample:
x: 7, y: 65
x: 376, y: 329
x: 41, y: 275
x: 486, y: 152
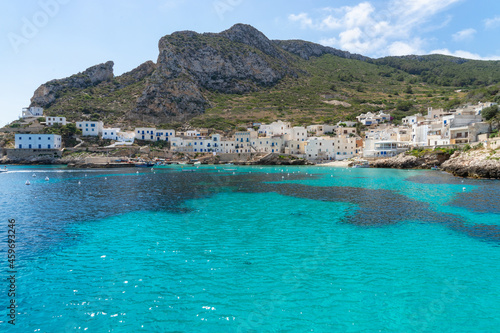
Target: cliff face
x: 237, y: 60
x: 47, y: 93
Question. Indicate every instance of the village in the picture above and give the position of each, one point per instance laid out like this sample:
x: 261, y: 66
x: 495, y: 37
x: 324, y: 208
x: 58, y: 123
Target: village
x: 373, y: 136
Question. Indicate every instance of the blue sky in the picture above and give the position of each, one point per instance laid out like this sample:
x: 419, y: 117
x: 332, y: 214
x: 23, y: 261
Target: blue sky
x: 48, y: 39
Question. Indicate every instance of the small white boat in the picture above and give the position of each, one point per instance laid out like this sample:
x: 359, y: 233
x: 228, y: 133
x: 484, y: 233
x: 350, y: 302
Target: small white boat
x: 47, y: 178
x: 197, y: 163
x: 27, y: 182
x: 33, y: 175
x: 361, y: 164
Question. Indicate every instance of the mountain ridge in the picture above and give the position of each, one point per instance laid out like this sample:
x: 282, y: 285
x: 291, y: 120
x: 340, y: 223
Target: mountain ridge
x: 194, y: 72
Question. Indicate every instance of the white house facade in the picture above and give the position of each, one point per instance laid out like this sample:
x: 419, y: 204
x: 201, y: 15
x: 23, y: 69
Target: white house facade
x: 110, y: 133
x: 90, y: 128
x: 51, y: 121
x: 31, y: 112
x: 38, y: 141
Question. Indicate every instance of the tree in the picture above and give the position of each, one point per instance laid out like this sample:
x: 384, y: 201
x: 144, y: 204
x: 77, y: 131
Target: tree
x: 490, y: 112
x: 492, y: 115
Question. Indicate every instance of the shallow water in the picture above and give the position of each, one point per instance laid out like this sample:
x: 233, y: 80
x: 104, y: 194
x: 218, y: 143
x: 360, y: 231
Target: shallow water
x: 258, y: 249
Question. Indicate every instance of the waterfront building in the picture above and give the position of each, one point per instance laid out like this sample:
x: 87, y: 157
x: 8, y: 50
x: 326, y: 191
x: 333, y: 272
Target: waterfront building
x: 38, y: 141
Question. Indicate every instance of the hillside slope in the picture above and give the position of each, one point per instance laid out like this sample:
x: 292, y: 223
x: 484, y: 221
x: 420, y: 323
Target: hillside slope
x: 239, y: 75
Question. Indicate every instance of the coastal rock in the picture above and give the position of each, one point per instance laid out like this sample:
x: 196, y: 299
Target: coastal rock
x: 480, y: 163
x: 404, y: 161
x: 48, y: 92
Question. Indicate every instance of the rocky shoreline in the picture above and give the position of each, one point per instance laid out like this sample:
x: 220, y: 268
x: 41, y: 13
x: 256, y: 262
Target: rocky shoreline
x: 92, y: 161
x: 476, y: 163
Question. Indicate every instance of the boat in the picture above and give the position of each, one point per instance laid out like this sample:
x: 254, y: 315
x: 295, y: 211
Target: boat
x: 197, y: 163
x: 27, y: 182
x: 144, y: 165
x: 4, y: 169
x: 435, y: 168
x: 361, y: 164
x: 47, y: 178
x: 33, y: 175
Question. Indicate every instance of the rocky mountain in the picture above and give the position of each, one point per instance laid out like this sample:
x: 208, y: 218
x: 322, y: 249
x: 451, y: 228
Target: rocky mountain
x: 47, y: 93
x: 235, y: 61
x: 240, y: 69
x: 306, y: 50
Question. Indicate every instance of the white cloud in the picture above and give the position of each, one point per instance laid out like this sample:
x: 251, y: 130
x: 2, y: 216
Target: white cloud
x: 367, y: 30
x: 304, y: 20
x: 464, y: 54
x: 466, y: 34
x: 404, y: 48
x: 491, y: 23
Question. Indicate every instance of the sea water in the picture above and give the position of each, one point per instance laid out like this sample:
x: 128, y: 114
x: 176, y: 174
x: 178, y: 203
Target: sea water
x: 255, y: 249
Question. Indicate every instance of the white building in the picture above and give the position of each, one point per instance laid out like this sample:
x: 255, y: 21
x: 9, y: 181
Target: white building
x: 145, y: 133
x: 244, y: 141
x: 110, y: 133
x: 276, y: 128
x: 320, y: 148
x: 275, y: 144
x: 296, y: 133
x: 38, y: 141
x: 164, y: 135
x: 31, y: 112
x: 369, y: 118
x: 50, y: 121
x: 319, y: 130
x: 383, y: 148
x: 90, y: 128
x: 125, y: 137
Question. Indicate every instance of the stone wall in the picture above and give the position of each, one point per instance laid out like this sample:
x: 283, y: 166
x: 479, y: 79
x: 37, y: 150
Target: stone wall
x: 32, y: 154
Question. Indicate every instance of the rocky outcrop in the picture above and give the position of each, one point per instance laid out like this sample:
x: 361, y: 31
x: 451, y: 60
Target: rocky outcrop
x: 137, y: 74
x: 306, y: 50
x: 404, y: 161
x: 280, y: 159
x: 237, y: 60
x: 474, y: 164
x: 48, y: 92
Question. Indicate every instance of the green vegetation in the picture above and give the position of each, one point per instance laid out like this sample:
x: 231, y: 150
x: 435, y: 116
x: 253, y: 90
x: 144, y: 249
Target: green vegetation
x: 421, y: 152
x: 327, y: 89
x: 67, y: 133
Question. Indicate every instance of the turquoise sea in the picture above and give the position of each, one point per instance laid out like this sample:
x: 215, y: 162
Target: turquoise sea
x: 254, y: 249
